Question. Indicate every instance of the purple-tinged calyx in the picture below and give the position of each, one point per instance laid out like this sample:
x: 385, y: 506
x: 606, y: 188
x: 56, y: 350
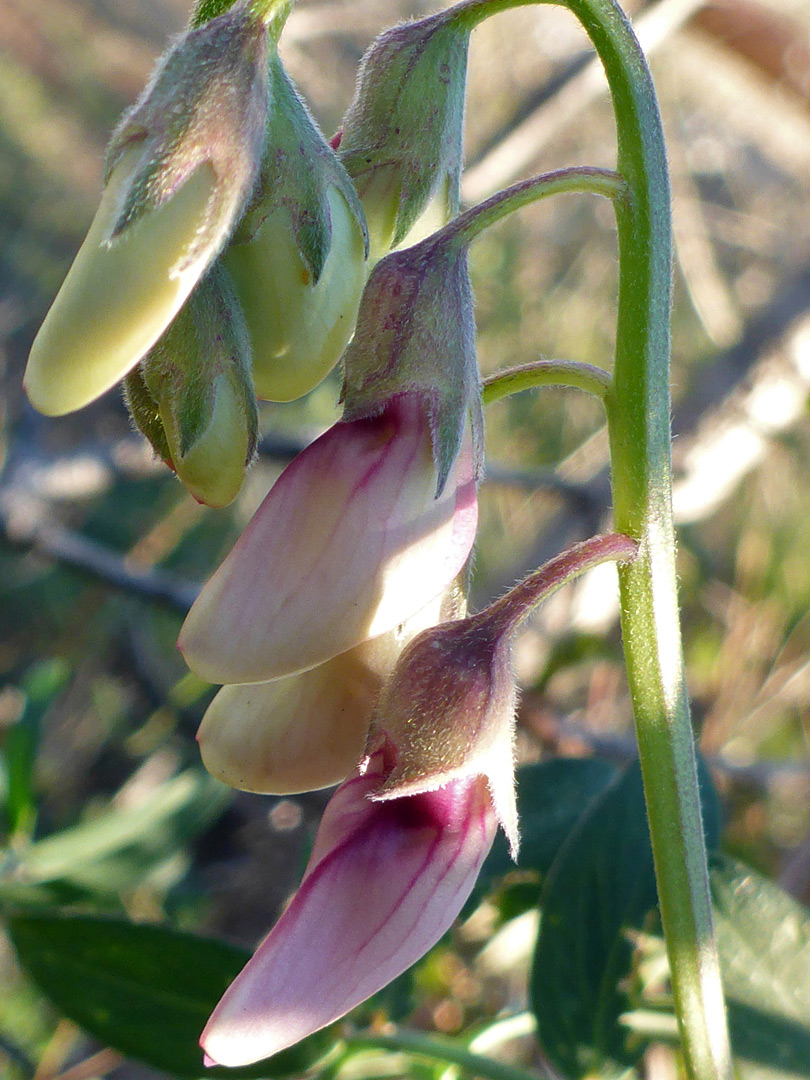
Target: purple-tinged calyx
x: 448, y: 712
x: 448, y: 709
x: 416, y: 334
x: 415, y: 327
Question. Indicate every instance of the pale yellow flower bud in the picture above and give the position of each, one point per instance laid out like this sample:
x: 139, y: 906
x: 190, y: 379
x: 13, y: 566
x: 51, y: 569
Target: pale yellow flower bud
x: 298, y: 327
x: 213, y: 468
x: 192, y: 395
x: 119, y: 295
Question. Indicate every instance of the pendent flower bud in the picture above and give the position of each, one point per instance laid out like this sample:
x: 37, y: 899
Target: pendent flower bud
x: 349, y: 543
x: 180, y: 167
x: 305, y: 731
x: 298, y: 259
x: 402, y: 136
x: 384, y: 882
x: 416, y: 334
x: 192, y: 395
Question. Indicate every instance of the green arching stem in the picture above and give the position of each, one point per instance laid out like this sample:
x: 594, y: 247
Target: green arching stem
x: 437, y: 1049
x: 505, y: 614
x: 579, y: 179
x: 473, y: 12
x: 639, y: 432
x: 272, y: 12
x: 638, y: 424
x: 594, y: 380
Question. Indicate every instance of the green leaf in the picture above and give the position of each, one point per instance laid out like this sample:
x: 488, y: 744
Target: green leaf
x: 552, y: 796
x: 42, y: 683
x: 763, y: 937
x: 146, y: 991
x: 600, y: 888
x: 118, y: 848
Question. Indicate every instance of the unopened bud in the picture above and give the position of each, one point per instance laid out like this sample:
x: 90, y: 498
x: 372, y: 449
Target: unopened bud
x: 198, y: 377
x: 180, y: 167
x: 298, y: 259
x: 349, y: 543
x: 299, y: 326
x: 402, y: 140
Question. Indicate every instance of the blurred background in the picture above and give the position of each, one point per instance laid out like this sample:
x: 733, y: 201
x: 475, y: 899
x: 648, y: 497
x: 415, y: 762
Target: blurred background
x: 101, y: 550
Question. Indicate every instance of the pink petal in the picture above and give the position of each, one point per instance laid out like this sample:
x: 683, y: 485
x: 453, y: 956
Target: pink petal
x: 349, y: 543
x: 384, y: 882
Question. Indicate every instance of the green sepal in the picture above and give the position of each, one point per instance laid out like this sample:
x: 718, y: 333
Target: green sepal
x: 403, y: 131
x: 192, y: 382
x: 206, y: 104
x: 298, y: 169
x: 145, y: 414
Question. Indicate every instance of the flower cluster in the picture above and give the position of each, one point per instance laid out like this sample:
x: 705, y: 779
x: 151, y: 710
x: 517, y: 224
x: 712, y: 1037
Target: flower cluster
x: 227, y: 215
x: 225, y: 262
x: 229, y: 260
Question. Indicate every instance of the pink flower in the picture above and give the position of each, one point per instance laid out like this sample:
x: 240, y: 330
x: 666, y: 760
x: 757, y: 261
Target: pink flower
x: 349, y: 543
x: 400, y: 846
x: 383, y: 884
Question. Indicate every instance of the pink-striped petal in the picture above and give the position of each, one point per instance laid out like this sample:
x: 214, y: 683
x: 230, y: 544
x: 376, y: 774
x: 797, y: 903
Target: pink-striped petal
x: 384, y: 882
x: 348, y: 544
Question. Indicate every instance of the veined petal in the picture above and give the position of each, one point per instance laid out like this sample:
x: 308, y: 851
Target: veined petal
x: 119, y: 296
x: 349, y: 543
x: 385, y: 881
x: 305, y: 731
